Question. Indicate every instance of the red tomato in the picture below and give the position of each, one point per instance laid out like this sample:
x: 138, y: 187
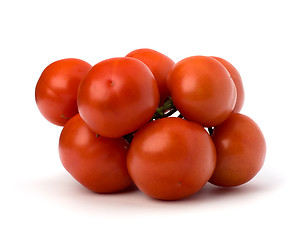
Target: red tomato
x: 96, y: 162
x: 241, y: 149
x: 236, y: 77
x: 202, y: 90
x: 159, y: 64
x: 171, y: 158
x: 56, y: 89
x: 118, y: 96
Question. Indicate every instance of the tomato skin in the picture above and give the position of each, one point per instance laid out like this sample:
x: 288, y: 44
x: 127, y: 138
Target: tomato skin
x: 171, y: 158
x: 237, y: 79
x: 118, y: 96
x: 202, y: 90
x: 98, y: 163
x: 241, y: 150
x: 56, y: 89
x: 159, y: 64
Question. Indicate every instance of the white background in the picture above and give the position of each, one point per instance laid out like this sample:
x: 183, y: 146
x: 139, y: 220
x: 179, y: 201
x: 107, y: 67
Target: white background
x: 262, y: 39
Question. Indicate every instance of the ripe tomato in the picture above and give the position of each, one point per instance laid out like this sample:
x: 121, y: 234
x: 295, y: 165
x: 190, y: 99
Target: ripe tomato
x: 96, y: 162
x: 159, y: 64
x: 171, y: 158
x: 56, y: 89
x: 202, y: 90
x: 236, y: 77
x: 241, y: 149
x: 118, y: 96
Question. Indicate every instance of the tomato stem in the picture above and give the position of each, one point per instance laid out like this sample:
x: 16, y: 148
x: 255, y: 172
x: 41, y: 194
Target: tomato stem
x: 210, y: 130
x: 129, y: 137
x: 162, y: 112
x: 180, y: 116
x: 166, y: 110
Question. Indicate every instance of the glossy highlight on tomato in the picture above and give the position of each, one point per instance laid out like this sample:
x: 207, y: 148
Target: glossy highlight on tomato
x: 166, y: 127
x: 118, y: 96
x: 171, y: 158
x: 202, y: 90
x: 96, y: 162
x: 57, y: 87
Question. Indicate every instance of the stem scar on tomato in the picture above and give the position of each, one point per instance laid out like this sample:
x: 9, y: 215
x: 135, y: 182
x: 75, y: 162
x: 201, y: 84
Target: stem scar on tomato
x: 109, y: 82
x: 64, y: 117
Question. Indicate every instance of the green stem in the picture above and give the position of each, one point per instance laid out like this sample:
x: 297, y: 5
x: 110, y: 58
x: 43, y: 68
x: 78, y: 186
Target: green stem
x: 166, y: 110
x: 64, y: 116
x: 129, y: 137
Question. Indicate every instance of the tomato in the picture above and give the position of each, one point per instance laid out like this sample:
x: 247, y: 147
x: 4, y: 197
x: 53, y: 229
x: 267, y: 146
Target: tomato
x: 98, y: 163
x: 202, y: 90
x: 56, y: 89
x: 159, y: 64
x: 118, y: 96
x: 236, y: 77
x: 171, y: 158
x: 241, y: 149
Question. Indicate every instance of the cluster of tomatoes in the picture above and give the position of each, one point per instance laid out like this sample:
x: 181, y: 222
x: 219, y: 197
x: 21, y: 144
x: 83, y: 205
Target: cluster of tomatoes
x: 167, y: 127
